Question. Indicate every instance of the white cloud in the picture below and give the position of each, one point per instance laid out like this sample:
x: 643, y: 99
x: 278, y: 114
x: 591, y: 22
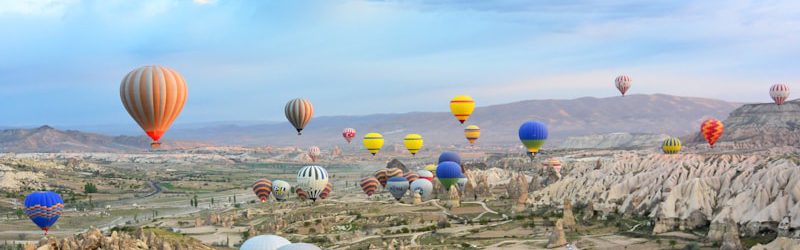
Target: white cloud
x: 43, y: 8
x: 204, y: 2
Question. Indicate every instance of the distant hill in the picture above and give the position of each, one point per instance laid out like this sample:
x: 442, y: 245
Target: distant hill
x: 761, y: 125
x: 636, y: 114
x: 49, y: 139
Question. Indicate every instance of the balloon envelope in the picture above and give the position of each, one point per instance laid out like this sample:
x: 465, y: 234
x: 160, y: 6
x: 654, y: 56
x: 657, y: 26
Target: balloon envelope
x: 450, y: 156
x: 422, y: 186
x: 472, y: 132
x: 299, y: 112
x: 623, y: 83
x: 381, y: 176
x: 397, y: 186
x: 462, y: 182
x: 533, y: 134
x: 711, y: 130
x: 411, y: 176
x: 154, y: 96
x: 299, y: 246
x: 448, y: 173
x: 373, y: 142
x: 312, y: 179
x: 44, y: 208
x: 264, y: 242
x: 369, y: 185
x: 671, y: 145
x: 326, y: 191
x: 349, y: 134
x: 462, y: 107
x: 392, y: 172
x: 281, y: 190
x: 413, y: 143
x: 425, y: 174
x: 779, y: 93
x: 262, y: 187
x: 313, y: 153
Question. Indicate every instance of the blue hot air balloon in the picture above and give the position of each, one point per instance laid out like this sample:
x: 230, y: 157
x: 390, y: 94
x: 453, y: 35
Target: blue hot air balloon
x: 397, y: 186
x: 44, y: 208
x: 448, y: 173
x: 450, y: 156
x: 533, y: 135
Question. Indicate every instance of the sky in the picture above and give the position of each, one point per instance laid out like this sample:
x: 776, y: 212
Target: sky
x: 61, y: 61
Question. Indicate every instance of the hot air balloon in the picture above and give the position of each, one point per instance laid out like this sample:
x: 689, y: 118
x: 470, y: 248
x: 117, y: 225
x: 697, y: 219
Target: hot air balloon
x: 397, y: 186
x: 779, y: 93
x: 472, y: 133
x: 313, y: 180
x: 313, y: 153
x: 411, y: 176
x: 373, y: 142
x: 299, y: 112
x: 369, y: 185
x: 425, y: 174
x: 326, y: 191
x: 299, y: 246
x: 462, y: 107
x: 303, y: 195
x: 264, y: 242
x: 262, y: 188
x: 462, y: 182
x: 712, y: 129
x: 394, y: 172
x: 153, y: 96
x: 623, y: 83
x: 450, y: 156
x: 413, y: 143
x: 554, y: 163
x: 432, y: 169
x: 44, y: 208
x: 671, y: 145
x: 422, y: 186
x: 349, y: 134
x: 281, y: 190
x: 448, y: 173
x: 533, y: 135
x: 380, y: 175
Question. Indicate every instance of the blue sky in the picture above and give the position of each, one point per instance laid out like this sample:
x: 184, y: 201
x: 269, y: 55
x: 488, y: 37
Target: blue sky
x: 62, y: 60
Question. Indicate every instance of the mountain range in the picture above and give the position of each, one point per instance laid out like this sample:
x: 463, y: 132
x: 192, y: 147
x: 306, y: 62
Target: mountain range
x: 48, y: 139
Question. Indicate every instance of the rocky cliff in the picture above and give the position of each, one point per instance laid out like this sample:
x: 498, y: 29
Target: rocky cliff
x: 761, y: 125
x: 613, y: 140
x: 140, y: 239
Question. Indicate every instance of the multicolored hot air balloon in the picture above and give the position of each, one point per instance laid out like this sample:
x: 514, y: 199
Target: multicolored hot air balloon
x: 779, y: 93
x: 281, y: 190
x: 265, y: 242
x: 381, y: 176
x: 369, y: 185
x: 422, y: 186
x: 44, y: 208
x: 154, y: 97
x: 533, y: 135
x: 394, y: 172
x: 262, y: 188
x: 462, y: 107
x: 299, y: 112
x: 326, y: 191
x: 349, y: 134
x: 373, y: 142
x: 411, y: 176
x: 623, y: 83
x: 432, y: 169
x: 425, y: 174
x: 472, y: 132
x: 313, y: 180
x: 413, y: 143
x: 554, y: 164
x: 313, y: 153
x: 448, y: 173
x: 303, y: 195
x: 671, y: 145
x: 397, y: 186
x: 450, y: 156
x: 712, y: 129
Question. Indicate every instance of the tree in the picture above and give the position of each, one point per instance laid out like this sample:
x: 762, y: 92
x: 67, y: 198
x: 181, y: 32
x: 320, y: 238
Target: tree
x: 89, y: 188
x: 212, y: 201
x: 672, y: 244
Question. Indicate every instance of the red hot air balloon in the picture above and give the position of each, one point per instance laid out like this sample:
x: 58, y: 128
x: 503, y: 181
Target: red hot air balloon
x: 313, y: 153
x: 349, y: 134
x: 154, y: 97
x: 623, y: 83
x: 779, y: 93
x: 711, y: 130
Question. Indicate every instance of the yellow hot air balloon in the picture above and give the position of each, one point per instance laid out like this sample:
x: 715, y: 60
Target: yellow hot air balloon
x: 373, y: 142
x: 431, y: 168
x: 413, y: 143
x: 472, y: 133
x: 462, y: 107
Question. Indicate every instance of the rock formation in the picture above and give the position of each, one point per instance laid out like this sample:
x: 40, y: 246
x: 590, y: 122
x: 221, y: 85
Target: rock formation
x: 557, y: 237
x: 613, y: 140
x: 453, y: 198
x: 417, y: 198
x: 782, y: 243
x: 94, y: 239
x: 395, y: 163
x: 730, y: 239
x: 568, y: 218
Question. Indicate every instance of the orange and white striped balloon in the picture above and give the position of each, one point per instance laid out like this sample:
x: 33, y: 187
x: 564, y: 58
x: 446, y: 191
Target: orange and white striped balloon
x: 154, y: 96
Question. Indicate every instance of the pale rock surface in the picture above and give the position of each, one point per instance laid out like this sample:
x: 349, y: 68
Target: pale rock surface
x: 557, y: 237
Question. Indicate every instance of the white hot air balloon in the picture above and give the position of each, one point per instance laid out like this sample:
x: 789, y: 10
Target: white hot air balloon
x: 779, y: 93
x: 422, y: 186
x: 425, y: 174
x: 265, y: 242
x: 300, y: 246
x: 281, y: 190
x: 312, y: 179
